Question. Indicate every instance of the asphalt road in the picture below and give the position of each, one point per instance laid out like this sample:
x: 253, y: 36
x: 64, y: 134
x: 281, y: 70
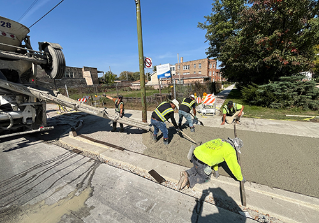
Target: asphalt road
x: 42, y: 182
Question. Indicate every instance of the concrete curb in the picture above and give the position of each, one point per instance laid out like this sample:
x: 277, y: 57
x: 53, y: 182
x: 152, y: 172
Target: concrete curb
x: 283, y: 205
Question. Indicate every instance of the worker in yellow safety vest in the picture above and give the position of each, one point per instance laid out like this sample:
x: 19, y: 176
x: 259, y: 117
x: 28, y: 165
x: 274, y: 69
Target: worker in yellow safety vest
x: 184, y: 110
x: 207, y: 157
x: 119, y: 110
x: 160, y: 115
x: 232, y: 112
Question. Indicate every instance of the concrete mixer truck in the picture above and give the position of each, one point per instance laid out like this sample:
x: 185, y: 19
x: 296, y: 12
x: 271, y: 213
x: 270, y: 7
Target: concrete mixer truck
x: 22, y: 101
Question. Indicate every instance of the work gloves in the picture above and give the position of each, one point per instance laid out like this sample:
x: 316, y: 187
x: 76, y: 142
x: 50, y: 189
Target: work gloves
x: 178, y: 130
x: 216, y: 174
x: 121, y: 115
x: 195, y: 118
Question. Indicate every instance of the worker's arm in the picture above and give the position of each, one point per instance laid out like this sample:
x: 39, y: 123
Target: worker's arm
x: 231, y: 161
x: 241, y: 111
x: 171, y: 116
x: 121, y: 109
x: 113, y: 99
x: 194, y: 111
x: 224, y: 119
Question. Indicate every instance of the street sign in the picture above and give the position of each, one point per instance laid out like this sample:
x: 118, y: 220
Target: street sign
x: 163, y: 71
x: 148, y: 62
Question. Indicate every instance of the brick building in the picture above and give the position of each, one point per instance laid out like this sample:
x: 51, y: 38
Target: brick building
x: 73, y: 76
x: 204, y: 67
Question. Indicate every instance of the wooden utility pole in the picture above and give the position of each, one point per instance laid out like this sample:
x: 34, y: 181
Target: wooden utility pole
x: 141, y: 59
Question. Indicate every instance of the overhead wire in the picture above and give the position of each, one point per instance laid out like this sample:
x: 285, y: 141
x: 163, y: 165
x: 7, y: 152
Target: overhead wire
x: 46, y: 14
x: 30, y: 7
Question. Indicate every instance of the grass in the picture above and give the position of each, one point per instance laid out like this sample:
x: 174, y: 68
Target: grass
x: 271, y: 113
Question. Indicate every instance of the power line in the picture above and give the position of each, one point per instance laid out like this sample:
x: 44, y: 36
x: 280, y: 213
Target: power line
x: 24, y: 14
x: 46, y: 14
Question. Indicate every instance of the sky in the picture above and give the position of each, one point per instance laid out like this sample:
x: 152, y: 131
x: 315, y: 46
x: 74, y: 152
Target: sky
x: 103, y: 33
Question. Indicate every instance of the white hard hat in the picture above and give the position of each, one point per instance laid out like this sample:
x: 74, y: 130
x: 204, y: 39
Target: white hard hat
x: 176, y: 103
x: 192, y: 96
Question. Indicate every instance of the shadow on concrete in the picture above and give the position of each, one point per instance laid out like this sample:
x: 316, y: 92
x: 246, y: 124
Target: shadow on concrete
x: 228, y: 210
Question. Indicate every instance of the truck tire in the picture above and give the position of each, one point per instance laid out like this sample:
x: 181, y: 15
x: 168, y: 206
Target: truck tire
x: 56, y: 68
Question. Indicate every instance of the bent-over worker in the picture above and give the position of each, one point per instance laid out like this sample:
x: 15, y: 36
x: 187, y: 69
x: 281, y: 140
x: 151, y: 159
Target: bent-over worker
x: 207, y: 157
x: 160, y: 115
x: 119, y: 110
x: 184, y: 110
x: 232, y: 112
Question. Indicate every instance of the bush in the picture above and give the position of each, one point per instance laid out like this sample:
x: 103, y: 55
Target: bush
x: 289, y: 92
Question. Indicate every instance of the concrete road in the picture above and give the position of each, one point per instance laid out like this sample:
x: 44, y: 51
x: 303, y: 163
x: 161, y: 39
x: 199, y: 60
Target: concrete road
x: 42, y: 182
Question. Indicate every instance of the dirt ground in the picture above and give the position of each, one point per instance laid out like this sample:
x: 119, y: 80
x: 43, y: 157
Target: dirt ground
x: 280, y: 161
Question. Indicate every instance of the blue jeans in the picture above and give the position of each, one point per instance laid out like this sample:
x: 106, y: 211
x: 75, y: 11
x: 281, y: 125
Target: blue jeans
x: 187, y: 116
x: 158, y: 125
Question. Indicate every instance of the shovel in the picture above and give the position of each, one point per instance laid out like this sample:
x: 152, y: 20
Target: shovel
x: 184, y: 134
x: 197, y: 119
x: 242, y: 187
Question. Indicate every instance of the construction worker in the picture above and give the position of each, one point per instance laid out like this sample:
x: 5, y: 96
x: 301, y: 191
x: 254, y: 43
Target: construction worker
x: 232, y: 112
x: 119, y: 110
x: 160, y: 115
x: 207, y: 157
x: 184, y: 111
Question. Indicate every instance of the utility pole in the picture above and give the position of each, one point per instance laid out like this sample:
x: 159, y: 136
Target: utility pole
x: 179, y: 74
x: 141, y: 59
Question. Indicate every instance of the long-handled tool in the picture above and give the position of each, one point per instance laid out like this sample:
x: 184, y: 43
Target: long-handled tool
x: 197, y: 119
x: 184, y: 134
x: 242, y: 186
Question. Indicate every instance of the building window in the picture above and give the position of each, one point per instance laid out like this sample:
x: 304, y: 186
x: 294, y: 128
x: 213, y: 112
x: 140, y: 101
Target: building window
x: 210, y: 65
x: 199, y: 72
x: 194, y: 66
x: 186, y: 67
x: 210, y: 73
x: 199, y: 65
x: 213, y: 79
x: 186, y: 73
x: 71, y: 75
x: 172, y: 68
x: 194, y: 72
x: 66, y: 74
x: 214, y: 65
x: 213, y: 72
x: 178, y: 67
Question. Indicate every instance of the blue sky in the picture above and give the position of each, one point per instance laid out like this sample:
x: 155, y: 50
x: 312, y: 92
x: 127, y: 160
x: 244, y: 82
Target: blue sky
x: 103, y: 33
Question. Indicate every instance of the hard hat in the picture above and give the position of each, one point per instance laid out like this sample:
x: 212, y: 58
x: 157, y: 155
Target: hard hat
x: 120, y: 96
x: 237, y: 143
x: 176, y: 103
x: 192, y: 96
x: 230, y: 103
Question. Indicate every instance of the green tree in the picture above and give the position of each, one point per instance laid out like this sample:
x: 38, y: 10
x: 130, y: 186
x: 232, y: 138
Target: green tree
x: 316, y: 62
x: 264, y: 40
x: 109, y: 77
x: 126, y: 75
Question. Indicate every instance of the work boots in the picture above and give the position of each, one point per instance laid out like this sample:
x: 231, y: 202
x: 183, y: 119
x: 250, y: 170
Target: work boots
x: 192, y: 129
x: 165, y: 141
x: 121, y: 127
x: 154, y: 137
x: 183, y: 181
x: 114, y: 127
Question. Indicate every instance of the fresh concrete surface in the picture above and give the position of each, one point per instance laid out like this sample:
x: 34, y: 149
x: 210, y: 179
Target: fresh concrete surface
x: 284, y: 205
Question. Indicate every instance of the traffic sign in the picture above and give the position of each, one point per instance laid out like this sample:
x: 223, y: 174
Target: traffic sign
x: 148, y: 62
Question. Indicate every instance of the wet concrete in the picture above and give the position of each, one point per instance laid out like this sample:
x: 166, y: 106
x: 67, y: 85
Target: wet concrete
x: 279, y: 161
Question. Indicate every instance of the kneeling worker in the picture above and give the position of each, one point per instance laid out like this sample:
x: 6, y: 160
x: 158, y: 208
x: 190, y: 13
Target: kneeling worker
x: 184, y: 111
x: 160, y: 115
x: 208, y: 156
x: 232, y: 112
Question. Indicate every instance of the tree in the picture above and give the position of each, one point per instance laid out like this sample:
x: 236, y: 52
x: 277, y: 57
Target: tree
x: 316, y: 62
x: 126, y: 75
x: 263, y: 41
x: 109, y: 77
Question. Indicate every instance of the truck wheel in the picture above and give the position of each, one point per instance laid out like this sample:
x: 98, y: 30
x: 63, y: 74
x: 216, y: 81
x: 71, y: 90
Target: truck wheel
x: 56, y: 68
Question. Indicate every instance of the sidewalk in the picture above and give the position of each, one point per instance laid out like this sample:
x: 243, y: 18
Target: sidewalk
x: 283, y: 205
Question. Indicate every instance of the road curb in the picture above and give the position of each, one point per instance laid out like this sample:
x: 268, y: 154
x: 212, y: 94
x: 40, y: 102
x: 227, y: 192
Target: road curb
x: 280, y: 204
